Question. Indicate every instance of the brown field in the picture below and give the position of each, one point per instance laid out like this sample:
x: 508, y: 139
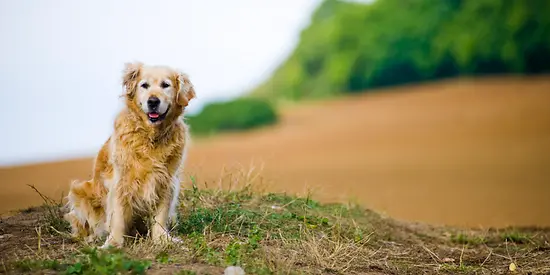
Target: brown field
x: 462, y: 152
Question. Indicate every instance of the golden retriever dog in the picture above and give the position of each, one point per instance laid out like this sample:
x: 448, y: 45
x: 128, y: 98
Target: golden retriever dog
x: 135, y: 174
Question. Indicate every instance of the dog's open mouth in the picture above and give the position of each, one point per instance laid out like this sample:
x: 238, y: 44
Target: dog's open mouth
x: 155, y: 116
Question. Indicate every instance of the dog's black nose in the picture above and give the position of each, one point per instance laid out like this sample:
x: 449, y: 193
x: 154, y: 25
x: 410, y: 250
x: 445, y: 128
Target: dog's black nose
x: 153, y: 102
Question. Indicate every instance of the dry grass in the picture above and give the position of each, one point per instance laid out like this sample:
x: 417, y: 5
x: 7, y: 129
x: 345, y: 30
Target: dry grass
x: 236, y: 223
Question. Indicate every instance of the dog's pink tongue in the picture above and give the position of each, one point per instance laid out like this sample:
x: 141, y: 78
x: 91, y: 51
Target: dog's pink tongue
x: 153, y: 115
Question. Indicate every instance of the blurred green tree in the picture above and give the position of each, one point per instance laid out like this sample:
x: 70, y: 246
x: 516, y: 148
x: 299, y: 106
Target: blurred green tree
x: 233, y: 115
x: 352, y: 46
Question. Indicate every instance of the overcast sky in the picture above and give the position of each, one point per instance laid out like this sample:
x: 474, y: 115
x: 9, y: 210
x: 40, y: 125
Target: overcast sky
x: 61, y: 61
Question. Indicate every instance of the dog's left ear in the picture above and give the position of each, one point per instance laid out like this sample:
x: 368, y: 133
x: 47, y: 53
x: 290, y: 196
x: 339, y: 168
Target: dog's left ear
x: 186, y: 90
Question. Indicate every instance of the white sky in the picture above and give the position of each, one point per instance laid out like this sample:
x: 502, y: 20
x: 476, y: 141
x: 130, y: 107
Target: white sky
x: 61, y: 61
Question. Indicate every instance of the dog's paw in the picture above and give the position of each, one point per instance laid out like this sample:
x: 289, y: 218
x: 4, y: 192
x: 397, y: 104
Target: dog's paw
x: 110, y: 243
x: 176, y: 240
x: 105, y: 246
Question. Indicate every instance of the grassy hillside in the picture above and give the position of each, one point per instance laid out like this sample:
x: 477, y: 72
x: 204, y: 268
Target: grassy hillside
x: 267, y: 233
x: 352, y: 46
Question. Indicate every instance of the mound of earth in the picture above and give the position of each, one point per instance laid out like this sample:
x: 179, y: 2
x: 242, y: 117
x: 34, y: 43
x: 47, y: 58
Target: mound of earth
x: 270, y: 233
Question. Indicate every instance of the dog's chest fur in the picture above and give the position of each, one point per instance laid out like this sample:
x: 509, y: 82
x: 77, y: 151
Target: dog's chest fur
x: 148, y: 161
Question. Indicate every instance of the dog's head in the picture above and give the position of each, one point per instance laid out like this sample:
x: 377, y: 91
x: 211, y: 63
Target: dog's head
x: 158, y: 92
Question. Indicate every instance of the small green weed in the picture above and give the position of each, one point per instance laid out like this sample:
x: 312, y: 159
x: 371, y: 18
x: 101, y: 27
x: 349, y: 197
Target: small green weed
x: 202, y: 250
x: 462, y: 238
x: 108, y: 262
x: 254, y: 237
x: 90, y: 261
x: 163, y: 258
x: 291, y: 201
x: 461, y: 268
x: 30, y: 265
x: 233, y: 253
x: 515, y: 237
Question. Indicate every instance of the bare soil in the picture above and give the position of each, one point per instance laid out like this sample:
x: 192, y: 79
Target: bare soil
x: 347, y: 241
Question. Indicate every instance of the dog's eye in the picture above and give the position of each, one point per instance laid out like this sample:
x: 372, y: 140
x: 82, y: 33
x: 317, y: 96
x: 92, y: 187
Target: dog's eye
x: 164, y: 85
x: 145, y: 85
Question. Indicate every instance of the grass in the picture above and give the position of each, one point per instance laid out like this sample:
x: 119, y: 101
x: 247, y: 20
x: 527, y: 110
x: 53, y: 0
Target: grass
x: 462, y: 238
x: 269, y: 233
x: 515, y: 237
x: 89, y: 261
x: 453, y: 268
x: 52, y: 215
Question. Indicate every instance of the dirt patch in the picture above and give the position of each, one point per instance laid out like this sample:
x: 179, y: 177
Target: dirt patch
x: 269, y: 233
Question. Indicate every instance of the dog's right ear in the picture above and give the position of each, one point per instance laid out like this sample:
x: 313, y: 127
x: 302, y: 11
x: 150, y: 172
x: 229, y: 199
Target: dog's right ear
x: 130, y: 76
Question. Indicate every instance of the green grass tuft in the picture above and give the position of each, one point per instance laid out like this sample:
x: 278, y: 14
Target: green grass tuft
x: 89, y: 261
x: 515, y: 237
x: 462, y: 238
x: 242, y: 219
x: 93, y: 261
x: 460, y: 268
x: 27, y: 265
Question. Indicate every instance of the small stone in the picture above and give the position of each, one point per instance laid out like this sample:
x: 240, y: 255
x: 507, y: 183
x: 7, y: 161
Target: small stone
x: 512, y: 267
x: 5, y: 236
x: 448, y: 260
x: 234, y: 270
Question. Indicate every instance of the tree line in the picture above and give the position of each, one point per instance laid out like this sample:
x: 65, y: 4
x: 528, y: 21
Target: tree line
x: 351, y: 47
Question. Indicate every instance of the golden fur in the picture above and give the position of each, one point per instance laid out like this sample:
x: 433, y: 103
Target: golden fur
x: 136, y: 171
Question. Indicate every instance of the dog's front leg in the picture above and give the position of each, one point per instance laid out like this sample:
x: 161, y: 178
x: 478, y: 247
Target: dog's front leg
x: 160, y: 231
x: 160, y: 220
x: 118, y: 217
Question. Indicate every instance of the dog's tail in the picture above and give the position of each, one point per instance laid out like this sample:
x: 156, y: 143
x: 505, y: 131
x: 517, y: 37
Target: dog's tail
x: 86, y: 211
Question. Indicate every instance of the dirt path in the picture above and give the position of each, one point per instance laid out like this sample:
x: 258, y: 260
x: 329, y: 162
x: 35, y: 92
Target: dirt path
x: 465, y: 153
